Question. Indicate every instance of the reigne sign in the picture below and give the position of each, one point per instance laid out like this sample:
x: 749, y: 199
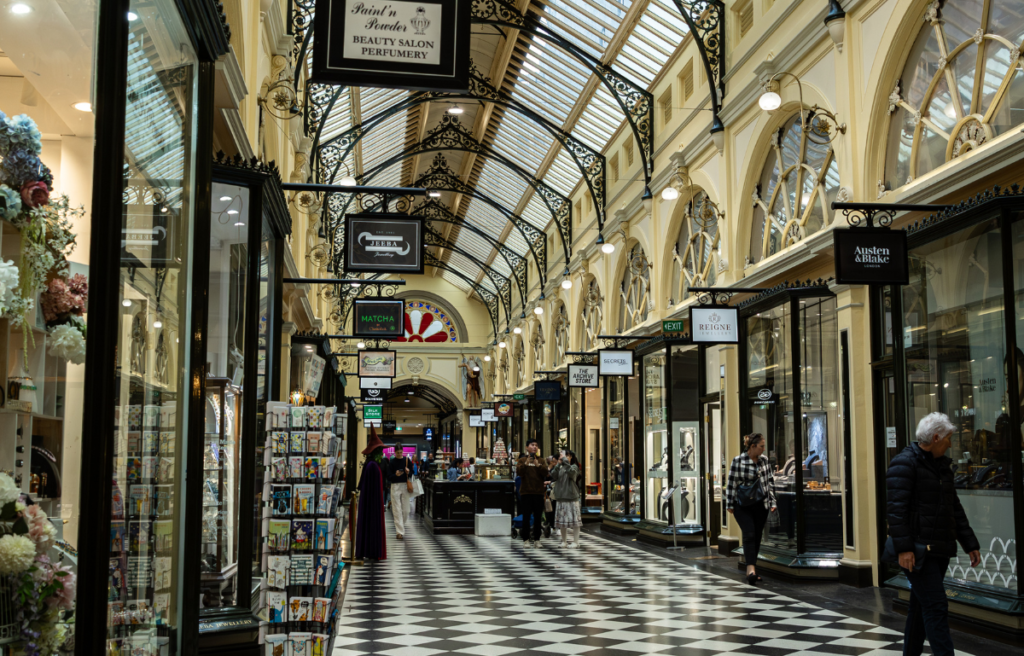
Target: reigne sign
x: 870, y: 256
x: 383, y: 243
x: 714, y: 325
x: 420, y: 44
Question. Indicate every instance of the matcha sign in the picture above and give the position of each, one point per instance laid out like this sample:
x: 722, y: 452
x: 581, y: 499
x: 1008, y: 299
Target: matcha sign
x: 379, y: 318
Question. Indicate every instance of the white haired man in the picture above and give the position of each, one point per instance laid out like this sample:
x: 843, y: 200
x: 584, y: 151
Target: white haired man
x: 925, y: 515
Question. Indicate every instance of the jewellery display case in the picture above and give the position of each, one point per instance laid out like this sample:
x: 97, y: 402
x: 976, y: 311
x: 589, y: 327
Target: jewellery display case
x: 222, y: 444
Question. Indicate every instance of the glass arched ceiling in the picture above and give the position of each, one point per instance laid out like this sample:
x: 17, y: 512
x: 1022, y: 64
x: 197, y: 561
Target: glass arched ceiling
x: 636, y: 38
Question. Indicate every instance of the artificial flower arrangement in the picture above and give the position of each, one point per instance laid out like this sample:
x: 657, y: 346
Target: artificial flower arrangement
x: 45, y: 223
x: 42, y: 589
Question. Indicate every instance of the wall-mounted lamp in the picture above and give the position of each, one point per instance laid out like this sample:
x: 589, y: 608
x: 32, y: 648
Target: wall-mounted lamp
x: 835, y: 21
x: 821, y: 125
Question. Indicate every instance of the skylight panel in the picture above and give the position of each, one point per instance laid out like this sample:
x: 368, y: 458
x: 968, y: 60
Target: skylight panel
x: 499, y: 183
x: 563, y: 173
x: 601, y: 118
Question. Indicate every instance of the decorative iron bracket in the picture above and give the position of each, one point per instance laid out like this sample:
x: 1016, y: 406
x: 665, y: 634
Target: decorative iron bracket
x: 883, y: 213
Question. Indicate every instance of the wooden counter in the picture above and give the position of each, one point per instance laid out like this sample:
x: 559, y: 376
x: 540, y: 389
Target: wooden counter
x: 452, y: 505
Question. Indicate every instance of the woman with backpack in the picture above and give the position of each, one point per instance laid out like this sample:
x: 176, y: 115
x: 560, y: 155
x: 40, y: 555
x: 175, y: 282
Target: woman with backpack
x: 750, y: 496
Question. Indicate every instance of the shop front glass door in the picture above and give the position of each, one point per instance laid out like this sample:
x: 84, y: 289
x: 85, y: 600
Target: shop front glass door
x: 771, y: 404
x: 658, y: 450
x: 148, y: 505
x: 954, y: 336
x: 621, y: 498
x: 685, y: 483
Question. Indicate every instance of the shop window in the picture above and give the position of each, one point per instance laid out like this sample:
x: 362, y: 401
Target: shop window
x: 593, y: 315
x: 621, y: 476
x: 943, y: 105
x: 798, y: 183
x: 634, y: 290
x: 695, y: 256
x: 425, y: 321
x: 686, y: 80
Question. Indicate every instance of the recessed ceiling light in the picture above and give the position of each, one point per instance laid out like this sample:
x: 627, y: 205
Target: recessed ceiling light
x: 225, y: 197
x: 20, y: 8
x: 82, y: 106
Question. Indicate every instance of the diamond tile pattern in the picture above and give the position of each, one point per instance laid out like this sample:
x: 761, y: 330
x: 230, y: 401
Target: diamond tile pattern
x: 492, y: 597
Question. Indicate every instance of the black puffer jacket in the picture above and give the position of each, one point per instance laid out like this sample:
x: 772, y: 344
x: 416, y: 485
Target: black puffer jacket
x: 923, y: 506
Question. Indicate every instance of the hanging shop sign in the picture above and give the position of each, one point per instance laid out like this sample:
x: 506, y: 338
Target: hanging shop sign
x: 715, y: 325
x: 503, y: 409
x: 383, y: 243
x: 371, y: 383
x: 615, y: 362
x: 488, y: 415
x: 583, y: 375
x: 373, y: 395
x: 377, y: 364
x: 373, y: 415
x: 476, y: 421
x: 378, y: 318
x: 870, y: 256
x: 389, y: 426
x: 547, y: 390
x: 396, y: 44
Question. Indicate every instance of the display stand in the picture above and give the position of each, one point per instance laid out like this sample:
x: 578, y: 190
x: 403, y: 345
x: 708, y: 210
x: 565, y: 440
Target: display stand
x: 301, y: 530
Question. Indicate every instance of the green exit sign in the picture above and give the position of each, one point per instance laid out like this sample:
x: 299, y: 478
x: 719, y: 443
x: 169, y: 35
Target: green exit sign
x: 672, y: 326
x: 373, y: 412
x: 518, y: 397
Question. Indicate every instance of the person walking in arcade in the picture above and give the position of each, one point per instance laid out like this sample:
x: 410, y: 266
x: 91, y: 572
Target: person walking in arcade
x: 750, y: 496
x: 532, y: 471
x: 400, y: 471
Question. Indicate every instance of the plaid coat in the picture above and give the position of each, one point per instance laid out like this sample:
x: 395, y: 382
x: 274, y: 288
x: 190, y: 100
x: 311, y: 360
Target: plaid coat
x: 743, y: 471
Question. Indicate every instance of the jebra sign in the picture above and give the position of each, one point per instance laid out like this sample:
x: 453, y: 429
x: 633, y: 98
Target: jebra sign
x: 714, y: 325
x: 583, y: 375
x: 383, y: 243
x: 401, y: 44
x: 870, y: 256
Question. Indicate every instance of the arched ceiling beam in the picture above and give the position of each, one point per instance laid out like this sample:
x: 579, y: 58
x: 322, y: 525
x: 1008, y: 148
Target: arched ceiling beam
x: 488, y: 297
x: 328, y: 158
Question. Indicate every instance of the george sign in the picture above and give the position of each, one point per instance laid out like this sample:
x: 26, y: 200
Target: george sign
x: 379, y: 383
x: 400, y: 44
x: 373, y: 412
x: 374, y: 395
x: 764, y: 396
x: 715, y: 325
x: 870, y: 256
x: 376, y: 364
x: 518, y: 397
x: 389, y: 425
x: 383, y: 243
x: 476, y: 421
x: 615, y: 362
x: 487, y: 414
x: 677, y: 326
x: 547, y: 390
x: 378, y: 318
x: 503, y: 409
x: 583, y: 375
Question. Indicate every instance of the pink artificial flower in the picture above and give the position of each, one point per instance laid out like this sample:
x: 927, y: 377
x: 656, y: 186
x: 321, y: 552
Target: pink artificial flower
x: 79, y: 288
x: 65, y: 597
x: 40, y: 530
x: 34, y: 194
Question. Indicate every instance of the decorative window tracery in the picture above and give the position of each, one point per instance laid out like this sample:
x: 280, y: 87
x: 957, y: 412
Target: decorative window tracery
x: 695, y: 256
x: 537, y: 342
x: 560, y: 327
x: 593, y: 315
x: 635, y: 290
x: 427, y: 322
x: 799, y: 181
x: 961, y: 86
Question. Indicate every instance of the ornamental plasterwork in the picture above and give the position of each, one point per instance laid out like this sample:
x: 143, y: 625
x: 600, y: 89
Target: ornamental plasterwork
x: 635, y: 289
x: 593, y: 315
x: 560, y: 327
x: 520, y: 363
x: 894, y: 98
x: 931, y: 14
x: 881, y: 189
x: 844, y: 195
x: 503, y: 371
x: 537, y: 342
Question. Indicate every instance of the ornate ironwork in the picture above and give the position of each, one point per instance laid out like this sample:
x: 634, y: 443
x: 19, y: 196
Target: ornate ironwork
x: 489, y: 298
x: 319, y: 101
x: 500, y: 282
x: 950, y: 211
x: 300, y: 24
x: 714, y: 297
x: 788, y: 286
x: 706, y: 20
x: 583, y: 358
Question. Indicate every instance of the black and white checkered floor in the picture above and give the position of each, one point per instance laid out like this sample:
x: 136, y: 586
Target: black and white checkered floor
x: 490, y: 597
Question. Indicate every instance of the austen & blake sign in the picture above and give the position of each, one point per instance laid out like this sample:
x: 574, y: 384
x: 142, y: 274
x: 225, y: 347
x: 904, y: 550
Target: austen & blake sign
x: 383, y: 243
x: 400, y: 44
x: 377, y: 318
x: 870, y: 256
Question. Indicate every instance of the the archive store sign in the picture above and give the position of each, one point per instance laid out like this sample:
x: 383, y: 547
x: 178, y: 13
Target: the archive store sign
x: 420, y: 44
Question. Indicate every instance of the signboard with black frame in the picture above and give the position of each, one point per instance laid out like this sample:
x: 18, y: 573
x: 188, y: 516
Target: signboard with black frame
x: 373, y: 395
x: 383, y: 243
x: 378, y: 318
x: 583, y: 375
x: 398, y: 44
x: 376, y: 364
x: 615, y: 362
x: 547, y: 390
x: 714, y: 324
x: 476, y: 421
x: 503, y: 409
x: 870, y: 256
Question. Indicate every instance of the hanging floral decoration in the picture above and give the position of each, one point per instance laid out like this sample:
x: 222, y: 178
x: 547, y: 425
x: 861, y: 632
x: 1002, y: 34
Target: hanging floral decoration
x: 43, y: 589
x: 63, y: 304
x: 45, y: 223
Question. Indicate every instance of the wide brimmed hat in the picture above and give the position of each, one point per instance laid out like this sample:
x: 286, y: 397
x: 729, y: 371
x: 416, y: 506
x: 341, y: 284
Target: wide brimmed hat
x: 374, y: 442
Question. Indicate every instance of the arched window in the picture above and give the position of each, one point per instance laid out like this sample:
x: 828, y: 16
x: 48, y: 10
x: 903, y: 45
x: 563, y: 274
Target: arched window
x: 560, y: 326
x: 962, y: 85
x: 593, y: 315
x: 695, y: 256
x: 799, y: 181
x: 538, y: 348
x: 635, y: 290
x: 426, y: 322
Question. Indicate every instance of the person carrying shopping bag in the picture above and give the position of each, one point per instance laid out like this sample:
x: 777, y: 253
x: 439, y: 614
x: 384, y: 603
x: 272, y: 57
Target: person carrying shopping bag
x: 750, y: 496
x: 400, y: 475
x: 566, y: 494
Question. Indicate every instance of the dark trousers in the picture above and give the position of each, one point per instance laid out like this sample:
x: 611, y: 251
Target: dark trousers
x: 533, y: 508
x: 928, y: 616
x: 751, y: 520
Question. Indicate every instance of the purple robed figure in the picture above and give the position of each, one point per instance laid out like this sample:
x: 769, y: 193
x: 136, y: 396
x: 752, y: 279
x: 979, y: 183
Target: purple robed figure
x: 370, y: 536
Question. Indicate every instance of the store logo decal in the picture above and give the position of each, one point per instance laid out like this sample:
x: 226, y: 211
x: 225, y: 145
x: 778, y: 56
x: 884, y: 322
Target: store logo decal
x: 764, y: 395
x: 383, y: 245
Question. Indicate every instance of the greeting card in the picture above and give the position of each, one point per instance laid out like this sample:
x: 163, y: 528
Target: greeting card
x: 276, y: 604
x: 302, y: 534
x: 300, y: 609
